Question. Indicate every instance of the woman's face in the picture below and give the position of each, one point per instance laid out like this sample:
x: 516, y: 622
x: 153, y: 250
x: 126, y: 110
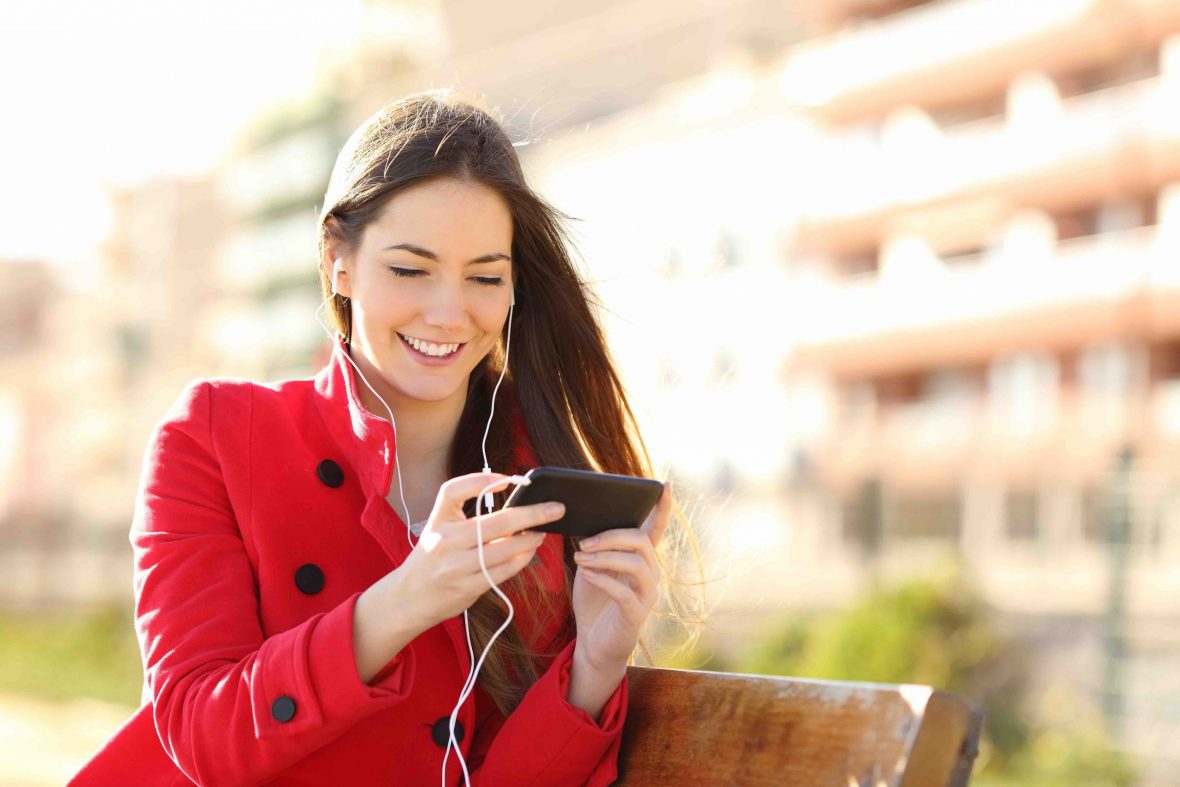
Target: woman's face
x: 450, y: 284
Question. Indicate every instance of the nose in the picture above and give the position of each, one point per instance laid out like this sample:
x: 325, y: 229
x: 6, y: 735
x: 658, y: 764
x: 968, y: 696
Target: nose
x: 446, y: 311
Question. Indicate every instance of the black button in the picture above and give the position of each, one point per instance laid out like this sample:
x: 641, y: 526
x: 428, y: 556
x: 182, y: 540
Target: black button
x: 283, y: 708
x: 309, y: 578
x: 441, y: 731
x: 330, y: 473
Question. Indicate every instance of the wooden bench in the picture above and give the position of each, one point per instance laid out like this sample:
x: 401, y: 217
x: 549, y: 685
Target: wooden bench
x: 689, y: 727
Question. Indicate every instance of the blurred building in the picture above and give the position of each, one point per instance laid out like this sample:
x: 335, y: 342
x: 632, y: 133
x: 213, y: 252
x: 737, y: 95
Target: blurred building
x: 86, y: 374
x: 30, y: 525
x: 911, y: 293
x: 989, y: 269
x: 262, y: 323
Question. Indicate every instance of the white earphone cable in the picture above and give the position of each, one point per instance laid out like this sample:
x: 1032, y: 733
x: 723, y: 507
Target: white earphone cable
x: 484, y: 498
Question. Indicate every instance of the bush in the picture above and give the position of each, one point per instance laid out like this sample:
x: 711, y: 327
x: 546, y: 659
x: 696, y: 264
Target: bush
x: 937, y: 632
x: 68, y: 655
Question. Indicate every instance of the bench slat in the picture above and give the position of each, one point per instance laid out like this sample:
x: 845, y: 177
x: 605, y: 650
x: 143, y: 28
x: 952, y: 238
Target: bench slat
x: 692, y: 727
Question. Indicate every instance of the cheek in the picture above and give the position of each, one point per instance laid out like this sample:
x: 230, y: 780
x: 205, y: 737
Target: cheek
x: 394, y: 311
x: 491, y: 320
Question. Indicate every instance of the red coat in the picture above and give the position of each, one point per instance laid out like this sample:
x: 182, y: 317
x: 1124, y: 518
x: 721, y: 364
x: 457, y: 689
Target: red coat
x: 260, y: 518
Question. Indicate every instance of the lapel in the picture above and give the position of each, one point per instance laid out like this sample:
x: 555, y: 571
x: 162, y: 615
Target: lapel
x: 367, y: 444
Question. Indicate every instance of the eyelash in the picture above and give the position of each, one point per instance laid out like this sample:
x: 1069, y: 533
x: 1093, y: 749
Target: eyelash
x: 413, y: 273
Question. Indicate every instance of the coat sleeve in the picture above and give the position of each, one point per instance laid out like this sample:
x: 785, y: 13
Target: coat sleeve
x: 547, y: 740
x: 231, y: 706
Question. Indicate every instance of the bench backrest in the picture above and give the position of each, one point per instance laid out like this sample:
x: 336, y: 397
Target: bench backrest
x: 690, y: 727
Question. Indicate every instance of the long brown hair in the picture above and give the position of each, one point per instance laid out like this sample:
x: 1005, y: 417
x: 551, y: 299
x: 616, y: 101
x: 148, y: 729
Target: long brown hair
x: 561, y: 379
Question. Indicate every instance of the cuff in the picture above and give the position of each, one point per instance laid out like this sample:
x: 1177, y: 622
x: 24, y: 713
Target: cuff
x: 318, y: 683
x: 583, y: 738
x: 611, y: 719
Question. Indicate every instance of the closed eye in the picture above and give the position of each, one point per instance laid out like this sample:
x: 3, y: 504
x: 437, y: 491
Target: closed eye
x: 413, y: 273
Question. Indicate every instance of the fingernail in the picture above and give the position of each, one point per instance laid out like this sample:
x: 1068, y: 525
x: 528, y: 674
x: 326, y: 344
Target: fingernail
x: 554, y: 509
x: 583, y: 556
x: 589, y: 542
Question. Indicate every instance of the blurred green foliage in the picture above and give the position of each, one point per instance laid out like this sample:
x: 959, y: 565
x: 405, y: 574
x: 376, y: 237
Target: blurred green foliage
x: 932, y: 631
x: 937, y: 632
x: 64, y: 655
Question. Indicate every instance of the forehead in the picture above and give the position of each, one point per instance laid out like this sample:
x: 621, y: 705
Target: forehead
x: 446, y: 215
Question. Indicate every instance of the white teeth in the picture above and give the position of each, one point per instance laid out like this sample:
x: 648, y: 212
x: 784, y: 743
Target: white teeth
x: 427, y: 348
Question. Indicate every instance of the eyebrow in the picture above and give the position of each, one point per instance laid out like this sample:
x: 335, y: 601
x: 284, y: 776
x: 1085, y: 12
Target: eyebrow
x: 430, y: 255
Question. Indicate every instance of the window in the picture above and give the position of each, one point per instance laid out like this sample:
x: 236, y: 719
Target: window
x: 1164, y: 361
x: 1106, y: 369
x: 861, y: 517
x: 1022, y: 390
x: 861, y: 263
x: 1137, y: 65
x: 930, y: 516
x: 1097, y: 509
x: 1020, y: 515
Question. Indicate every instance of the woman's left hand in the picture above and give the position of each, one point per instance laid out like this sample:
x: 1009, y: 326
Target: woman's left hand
x: 616, y: 587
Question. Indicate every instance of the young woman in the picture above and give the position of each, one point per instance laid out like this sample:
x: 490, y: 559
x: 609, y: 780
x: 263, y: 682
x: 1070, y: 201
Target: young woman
x: 302, y: 564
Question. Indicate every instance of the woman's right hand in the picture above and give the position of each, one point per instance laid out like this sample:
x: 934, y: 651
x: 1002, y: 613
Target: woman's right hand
x: 442, y: 574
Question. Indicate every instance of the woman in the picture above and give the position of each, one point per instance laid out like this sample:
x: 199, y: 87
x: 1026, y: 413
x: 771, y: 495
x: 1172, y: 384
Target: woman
x: 293, y: 628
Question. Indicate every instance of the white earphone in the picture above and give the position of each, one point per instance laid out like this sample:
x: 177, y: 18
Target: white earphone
x: 336, y: 266
x: 484, y: 497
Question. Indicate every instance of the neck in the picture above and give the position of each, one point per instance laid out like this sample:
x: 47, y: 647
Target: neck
x: 425, y: 429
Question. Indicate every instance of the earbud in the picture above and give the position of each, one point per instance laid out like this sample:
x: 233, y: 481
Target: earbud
x: 336, y: 266
x: 512, y: 297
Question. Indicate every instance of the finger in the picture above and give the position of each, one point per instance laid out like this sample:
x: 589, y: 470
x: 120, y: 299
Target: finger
x: 633, y: 609
x: 630, y: 565
x: 506, y: 522
x: 502, y: 550
x: 625, y: 539
x: 455, y: 492
x: 657, y: 521
x: 627, y: 562
x: 500, y: 573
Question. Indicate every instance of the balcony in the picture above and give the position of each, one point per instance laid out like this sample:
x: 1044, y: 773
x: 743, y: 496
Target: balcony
x: 944, y: 52
x: 1082, y: 291
x: 255, y: 257
x: 931, y: 443
x: 291, y: 169
x: 1051, y: 153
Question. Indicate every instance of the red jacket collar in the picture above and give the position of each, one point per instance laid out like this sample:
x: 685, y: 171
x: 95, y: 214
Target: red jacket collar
x: 366, y: 440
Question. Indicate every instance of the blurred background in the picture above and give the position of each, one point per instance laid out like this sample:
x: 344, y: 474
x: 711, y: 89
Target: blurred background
x: 894, y: 286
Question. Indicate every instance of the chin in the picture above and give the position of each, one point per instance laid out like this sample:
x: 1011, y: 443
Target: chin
x: 431, y: 390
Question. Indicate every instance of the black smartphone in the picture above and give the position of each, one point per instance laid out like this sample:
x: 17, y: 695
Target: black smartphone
x: 594, y: 502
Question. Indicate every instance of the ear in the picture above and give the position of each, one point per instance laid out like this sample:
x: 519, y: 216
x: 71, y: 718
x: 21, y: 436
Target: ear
x: 337, y: 267
x: 334, y: 250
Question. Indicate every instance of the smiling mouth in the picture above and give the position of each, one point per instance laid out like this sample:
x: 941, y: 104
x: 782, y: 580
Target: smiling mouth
x: 430, y: 349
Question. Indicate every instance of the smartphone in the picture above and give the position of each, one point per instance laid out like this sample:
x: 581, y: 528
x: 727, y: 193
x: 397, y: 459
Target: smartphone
x: 594, y: 502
